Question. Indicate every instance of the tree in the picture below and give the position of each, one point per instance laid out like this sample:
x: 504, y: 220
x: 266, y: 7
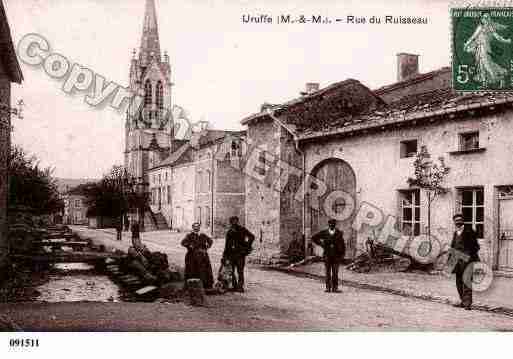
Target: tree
x: 31, y: 186
x: 114, y: 195
x: 429, y: 177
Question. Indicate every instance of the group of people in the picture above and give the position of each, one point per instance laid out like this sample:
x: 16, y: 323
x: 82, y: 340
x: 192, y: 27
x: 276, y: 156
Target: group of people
x: 464, y: 242
x: 239, y: 244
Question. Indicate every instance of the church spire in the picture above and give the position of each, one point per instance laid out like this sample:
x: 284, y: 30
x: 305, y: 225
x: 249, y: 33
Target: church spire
x: 150, y: 44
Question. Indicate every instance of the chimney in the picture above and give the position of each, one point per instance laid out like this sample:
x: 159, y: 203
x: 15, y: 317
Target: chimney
x: 310, y: 87
x: 265, y: 106
x: 407, y: 66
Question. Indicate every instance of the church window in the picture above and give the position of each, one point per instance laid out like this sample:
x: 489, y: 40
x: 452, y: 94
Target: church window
x: 147, y: 93
x: 160, y: 96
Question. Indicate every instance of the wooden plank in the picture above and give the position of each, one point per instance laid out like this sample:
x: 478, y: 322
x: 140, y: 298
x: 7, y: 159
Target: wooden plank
x: 66, y: 257
x: 58, y: 236
x: 62, y: 244
x: 145, y: 290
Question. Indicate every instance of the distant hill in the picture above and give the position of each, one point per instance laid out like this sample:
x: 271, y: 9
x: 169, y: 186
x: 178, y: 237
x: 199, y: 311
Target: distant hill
x: 65, y: 184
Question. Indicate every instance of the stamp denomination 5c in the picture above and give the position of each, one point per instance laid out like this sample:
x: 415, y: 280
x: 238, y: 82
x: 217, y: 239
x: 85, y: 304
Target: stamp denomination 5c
x: 482, y: 49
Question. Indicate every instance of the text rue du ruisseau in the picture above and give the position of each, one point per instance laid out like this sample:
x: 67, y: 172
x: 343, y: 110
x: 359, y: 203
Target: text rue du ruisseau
x: 320, y: 19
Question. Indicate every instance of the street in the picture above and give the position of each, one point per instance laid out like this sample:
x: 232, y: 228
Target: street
x: 272, y: 301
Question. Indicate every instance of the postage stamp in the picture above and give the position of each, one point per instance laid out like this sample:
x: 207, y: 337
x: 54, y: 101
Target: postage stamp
x: 482, y: 49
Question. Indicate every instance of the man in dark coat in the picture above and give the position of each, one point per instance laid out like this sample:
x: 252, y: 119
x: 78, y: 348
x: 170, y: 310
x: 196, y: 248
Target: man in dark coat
x: 238, y: 245
x: 464, y: 243
x: 332, y: 242
x: 136, y: 234
x: 197, y: 262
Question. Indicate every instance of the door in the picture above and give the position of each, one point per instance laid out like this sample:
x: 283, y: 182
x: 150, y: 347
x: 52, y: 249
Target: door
x: 336, y: 175
x: 506, y: 233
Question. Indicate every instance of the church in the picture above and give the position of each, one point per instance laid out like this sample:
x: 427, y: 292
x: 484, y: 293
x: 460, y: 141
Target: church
x: 182, y: 177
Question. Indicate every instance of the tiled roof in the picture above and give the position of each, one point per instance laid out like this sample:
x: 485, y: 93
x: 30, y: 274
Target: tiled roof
x: 312, y: 99
x: 208, y: 137
x: 7, y: 52
x: 174, y: 157
x: 413, y: 108
x: 205, y: 138
x: 413, y: 80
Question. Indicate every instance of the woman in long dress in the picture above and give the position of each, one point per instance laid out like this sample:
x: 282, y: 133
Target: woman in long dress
x: 480, y: 45
x: 197, y: 262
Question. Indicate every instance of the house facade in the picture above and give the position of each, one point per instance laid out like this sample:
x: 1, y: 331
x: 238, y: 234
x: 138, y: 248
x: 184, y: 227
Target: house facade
x: 197, y: 183
x: 75, y: 209
x: 10, y: 72
x: 352, y: 152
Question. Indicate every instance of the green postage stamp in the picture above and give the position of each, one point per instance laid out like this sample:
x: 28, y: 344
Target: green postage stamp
x: 482, y: 49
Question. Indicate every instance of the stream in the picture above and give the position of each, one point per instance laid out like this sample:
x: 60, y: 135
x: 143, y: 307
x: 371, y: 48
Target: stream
x: 78, y: 282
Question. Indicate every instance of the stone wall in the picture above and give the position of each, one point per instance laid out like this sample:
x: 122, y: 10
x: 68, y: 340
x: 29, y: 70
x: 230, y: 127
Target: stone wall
x: 291, y: 210
x: 262, y: 199
x: 182, y: 197
x: 205, y: 169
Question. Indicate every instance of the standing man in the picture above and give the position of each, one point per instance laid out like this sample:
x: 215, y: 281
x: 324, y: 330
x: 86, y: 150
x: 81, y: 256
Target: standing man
x: 136, y: 234
x: 197, y: 262
x: 464, y: 241
x: 119, y: 228
x: 238, y: 245
x: 332, y: 242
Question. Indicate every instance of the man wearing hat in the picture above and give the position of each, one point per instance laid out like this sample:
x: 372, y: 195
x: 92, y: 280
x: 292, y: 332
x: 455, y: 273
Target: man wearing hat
x: 464, y: 242
x: 238, y: 245
x: 332, y: 242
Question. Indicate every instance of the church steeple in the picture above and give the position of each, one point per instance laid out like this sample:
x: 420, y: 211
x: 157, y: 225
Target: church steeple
x: 150, y: 43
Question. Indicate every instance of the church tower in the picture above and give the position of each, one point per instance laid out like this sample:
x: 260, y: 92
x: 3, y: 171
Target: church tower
x: 148, y: 128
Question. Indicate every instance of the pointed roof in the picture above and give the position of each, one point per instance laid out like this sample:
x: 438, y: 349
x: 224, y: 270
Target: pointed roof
x: 150, y: 42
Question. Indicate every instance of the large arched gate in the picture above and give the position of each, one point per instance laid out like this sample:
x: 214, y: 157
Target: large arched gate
x: 336, y: 175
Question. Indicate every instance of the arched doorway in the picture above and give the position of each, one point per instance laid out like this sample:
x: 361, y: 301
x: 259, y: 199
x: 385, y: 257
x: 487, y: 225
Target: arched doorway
x: 336, y: 175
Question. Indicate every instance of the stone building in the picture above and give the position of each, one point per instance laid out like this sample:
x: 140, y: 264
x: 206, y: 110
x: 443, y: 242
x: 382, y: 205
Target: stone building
x: 75, y: 208
x: 10, y: 72
x: 198, y: 183
x: 363, y: 143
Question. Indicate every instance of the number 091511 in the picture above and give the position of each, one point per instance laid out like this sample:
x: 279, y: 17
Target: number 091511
x: 24, y: 343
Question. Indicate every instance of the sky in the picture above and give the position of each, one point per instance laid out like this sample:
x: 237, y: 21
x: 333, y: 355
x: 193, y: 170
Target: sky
x: 222, y: 68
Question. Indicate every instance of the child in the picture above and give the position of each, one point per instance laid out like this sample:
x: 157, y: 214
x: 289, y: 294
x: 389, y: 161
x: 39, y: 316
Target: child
x: 225, y: 277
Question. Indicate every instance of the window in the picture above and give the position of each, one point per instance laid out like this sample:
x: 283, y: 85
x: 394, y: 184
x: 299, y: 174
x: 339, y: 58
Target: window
x: 207, y: 216
x: 262, y: 160
x: 168, y: 194
x: 408, y: 148
x: 410, y: 212
x: 160, y: 96
x: 471, y: 202
x: 160, y: 195
x: 160, y: 178
x: 198, y: 215
x: 208, y: 179
x: 77, y: 203
x: 166, y: 175
x: 147, y: 93
x: 235, y: 149
x: 469, y: 141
